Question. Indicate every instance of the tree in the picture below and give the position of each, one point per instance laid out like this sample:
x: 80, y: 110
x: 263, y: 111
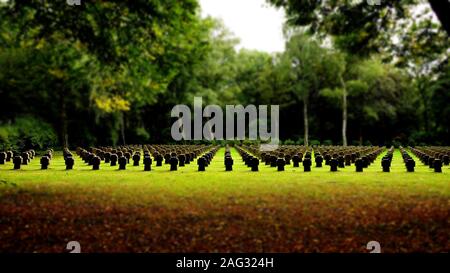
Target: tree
x: 359, y: 28
x: 305, y: 57
x: 131, y: 51
x: 337, y: 66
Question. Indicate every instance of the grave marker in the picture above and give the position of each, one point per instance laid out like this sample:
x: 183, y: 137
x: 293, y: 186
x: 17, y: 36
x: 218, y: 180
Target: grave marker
x: 45, y: 161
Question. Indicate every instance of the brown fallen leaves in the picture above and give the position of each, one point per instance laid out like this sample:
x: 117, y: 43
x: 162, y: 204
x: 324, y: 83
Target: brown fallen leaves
x: 40, y: 222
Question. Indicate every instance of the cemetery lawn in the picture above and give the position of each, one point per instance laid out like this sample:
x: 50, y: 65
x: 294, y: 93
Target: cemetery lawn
x: 217, y: 211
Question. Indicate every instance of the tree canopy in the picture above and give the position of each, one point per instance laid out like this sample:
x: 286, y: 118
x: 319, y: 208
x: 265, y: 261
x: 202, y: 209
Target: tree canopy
x: 108, y: 72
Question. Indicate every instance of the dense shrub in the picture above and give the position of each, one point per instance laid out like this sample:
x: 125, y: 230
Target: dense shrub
x: 313, y: 142
x: 327, y: 142
x: 27, y: 132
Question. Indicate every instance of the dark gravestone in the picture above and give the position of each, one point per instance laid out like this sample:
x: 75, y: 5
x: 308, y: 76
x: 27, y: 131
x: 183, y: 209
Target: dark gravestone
x: 96, y: 163
x: 334, y: 165
x: 9, y: 156
x: 2, y: 158
x: 287, y: 158
x: 101, y: 155
x: 446, y: 160
x: 107, y: 157
x: 147, y: 163
x: 166, y: 159
x: 255, y: 163
x: 354, y: 157
x: 188, y: 158
x: 307, y: 164
x: 228, y: 164
x: 182, y: 159
x: 17, y: 161
x: 348, y: 160
x: 386, y: 164
x: 45, y: 161
x: 327, y: 159
x: 114, y: 159
x: 359, y: 165
x: 123, y: 163
x: 296, y: 161
x: 25, y: 158
x: 319, y: 161
x: 410, y: 164
x: 128, y: 156
x: 280, y: 164
x: 247, y: 159
x: 365, y: 161
x: 308, y: 155
x: 201, y: 162
x: 341, y: 162
x: 437, y: 165
x: 273, y: 161
x: 208, y: 158
x: 173, y: 163
x: 90, y: 157
x: 159, y: 159
x: 136, y: 159
x: 69, y: 163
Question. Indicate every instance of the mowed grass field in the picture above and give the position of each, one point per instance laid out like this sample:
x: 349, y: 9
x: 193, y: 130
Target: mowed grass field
x: 217, y: 211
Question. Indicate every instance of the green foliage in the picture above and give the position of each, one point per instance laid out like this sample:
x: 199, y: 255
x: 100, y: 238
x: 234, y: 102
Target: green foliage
x: 289, y: 142
x: 109, y: 72
x: 314, y: 142
x: 26, y: 133
x: 327, y: 142
x: 358, y: 28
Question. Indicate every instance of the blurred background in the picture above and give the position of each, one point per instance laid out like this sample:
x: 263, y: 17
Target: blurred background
x: 109, y: 72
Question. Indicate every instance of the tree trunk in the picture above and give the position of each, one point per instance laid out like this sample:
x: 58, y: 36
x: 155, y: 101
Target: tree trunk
x: 441, y: 8
x: 305, y: 120
x: 122, y: 127
x: 63, y: 120
x: 344, y: 112
x: 422, y: 87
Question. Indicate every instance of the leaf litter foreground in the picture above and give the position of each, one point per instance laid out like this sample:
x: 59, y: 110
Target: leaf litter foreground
x: 218, y: 211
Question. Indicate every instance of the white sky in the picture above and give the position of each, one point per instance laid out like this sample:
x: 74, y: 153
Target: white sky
x: 258, y: 25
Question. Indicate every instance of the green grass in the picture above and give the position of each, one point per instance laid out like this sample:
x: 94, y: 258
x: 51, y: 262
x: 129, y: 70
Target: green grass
x: 163, y: 211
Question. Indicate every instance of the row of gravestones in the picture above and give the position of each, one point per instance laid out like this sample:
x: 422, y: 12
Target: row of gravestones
x: 386, y: 161
x: 249, y: 160
x: 175, y: 155
x: 283, y: 151
x: 441, y: 153
x: 25, y: 158
x: 336, y: 158
x: 228, y: 159
x: 434, y: 160
x: 184, y: 153
x: 332, y: 158
x: 179, y: 155
x: 409, y: 162
x: 206, y: 159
